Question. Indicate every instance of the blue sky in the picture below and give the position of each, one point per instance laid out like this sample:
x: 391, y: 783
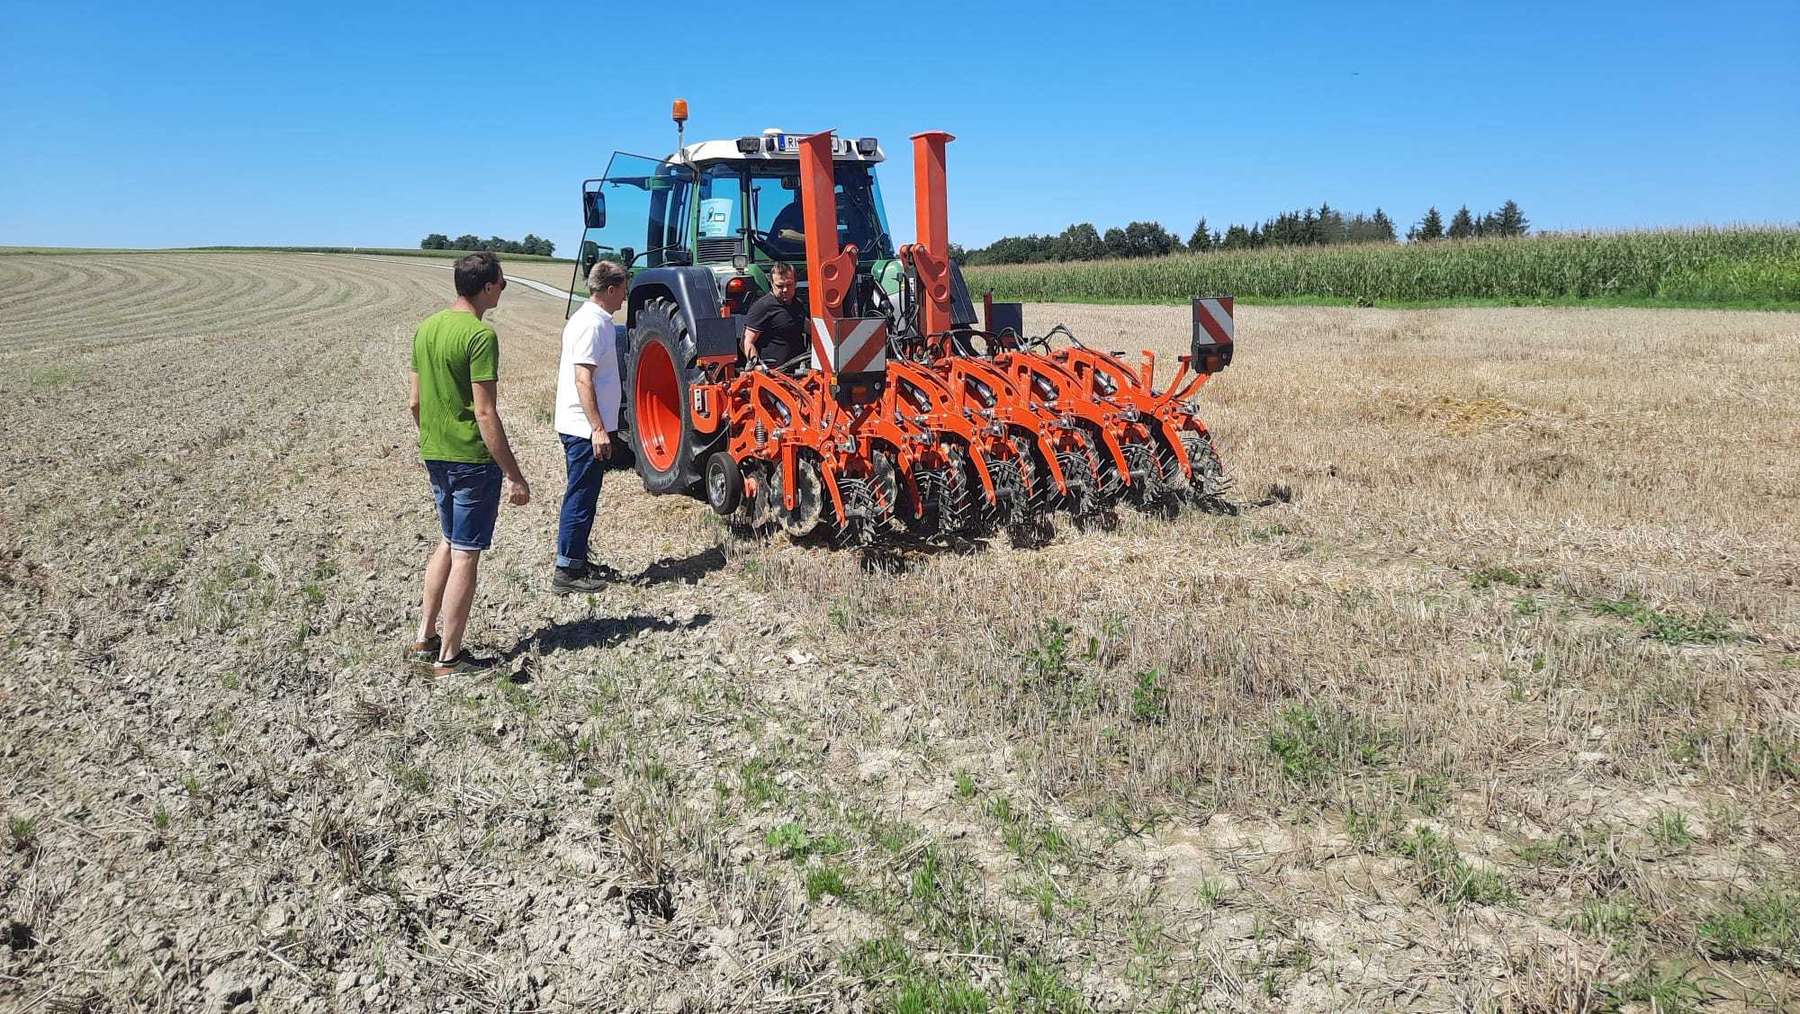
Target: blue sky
x: 373, y: 124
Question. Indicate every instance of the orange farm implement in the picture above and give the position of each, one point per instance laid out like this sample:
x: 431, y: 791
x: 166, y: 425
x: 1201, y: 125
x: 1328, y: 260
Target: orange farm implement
x: 908, y: 412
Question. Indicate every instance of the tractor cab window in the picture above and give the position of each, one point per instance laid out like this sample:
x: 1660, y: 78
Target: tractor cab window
x: 780, y: 223
x: 647, y: 209
x: 720, y: 234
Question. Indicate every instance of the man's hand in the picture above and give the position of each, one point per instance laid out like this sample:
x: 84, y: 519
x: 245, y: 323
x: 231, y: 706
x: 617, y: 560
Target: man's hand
x: 520, y: 493
x: 603, y: 447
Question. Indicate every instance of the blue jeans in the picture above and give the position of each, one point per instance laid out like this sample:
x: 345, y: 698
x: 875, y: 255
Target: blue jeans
x: 579, y: 499
x: 468, y: 501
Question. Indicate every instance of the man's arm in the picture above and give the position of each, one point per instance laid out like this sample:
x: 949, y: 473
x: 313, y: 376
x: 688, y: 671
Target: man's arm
x: 584, y: 389
x: 493, y: 434
x: 755, y: 322
x: 412, y: 400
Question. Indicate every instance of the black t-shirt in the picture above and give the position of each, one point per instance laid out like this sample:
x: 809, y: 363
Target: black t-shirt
x: 780, y: 328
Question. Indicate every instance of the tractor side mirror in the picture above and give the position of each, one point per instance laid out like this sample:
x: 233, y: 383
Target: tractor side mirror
x: 627, y: 255
x: 593, y: 209
x: 590, y: 252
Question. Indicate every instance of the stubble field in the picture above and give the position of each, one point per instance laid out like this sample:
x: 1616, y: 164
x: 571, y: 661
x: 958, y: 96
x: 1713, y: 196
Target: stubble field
x: 1495, y: 709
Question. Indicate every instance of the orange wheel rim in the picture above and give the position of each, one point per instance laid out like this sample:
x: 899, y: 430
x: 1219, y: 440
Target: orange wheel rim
x: 657, y: 397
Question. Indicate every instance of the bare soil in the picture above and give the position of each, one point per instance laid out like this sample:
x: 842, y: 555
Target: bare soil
x: 1488, y: 702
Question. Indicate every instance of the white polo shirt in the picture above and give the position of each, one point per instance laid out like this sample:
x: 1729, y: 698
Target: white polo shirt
x: 589, y: 339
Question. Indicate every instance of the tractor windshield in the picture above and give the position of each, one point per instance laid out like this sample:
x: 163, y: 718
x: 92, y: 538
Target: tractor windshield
x: 764, y: 199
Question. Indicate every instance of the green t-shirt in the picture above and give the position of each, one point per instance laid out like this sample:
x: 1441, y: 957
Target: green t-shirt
x: 452, y: 350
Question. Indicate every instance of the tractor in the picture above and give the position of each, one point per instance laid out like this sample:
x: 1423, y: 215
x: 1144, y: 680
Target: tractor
x: 910, y: 410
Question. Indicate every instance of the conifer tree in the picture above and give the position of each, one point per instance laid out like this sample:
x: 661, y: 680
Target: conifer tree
x: 1430, y: 228
x: 1201, y: 240
x: 1462, y: 224
x: 1384, y: 226
x: 1510, y: 221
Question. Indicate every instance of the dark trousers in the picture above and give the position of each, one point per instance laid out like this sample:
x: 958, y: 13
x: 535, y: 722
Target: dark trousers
x: 579, y: 500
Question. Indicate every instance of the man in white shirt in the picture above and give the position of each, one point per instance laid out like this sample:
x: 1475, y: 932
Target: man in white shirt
x: 588, y: 397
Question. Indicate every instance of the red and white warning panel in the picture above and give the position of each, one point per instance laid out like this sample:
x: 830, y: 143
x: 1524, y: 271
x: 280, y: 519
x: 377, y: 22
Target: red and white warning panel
x: 1213, y: 333
x: 859, y: 345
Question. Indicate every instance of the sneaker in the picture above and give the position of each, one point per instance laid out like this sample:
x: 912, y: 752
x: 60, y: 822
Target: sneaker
x: 569, y: 581
x: 422, y: 652
x: 465, y: 661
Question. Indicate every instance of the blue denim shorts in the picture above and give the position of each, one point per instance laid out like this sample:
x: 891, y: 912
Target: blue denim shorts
x: 468, y: 501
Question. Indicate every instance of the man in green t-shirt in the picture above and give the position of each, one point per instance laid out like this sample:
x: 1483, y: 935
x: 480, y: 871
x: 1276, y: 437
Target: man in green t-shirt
x: 455, y: 370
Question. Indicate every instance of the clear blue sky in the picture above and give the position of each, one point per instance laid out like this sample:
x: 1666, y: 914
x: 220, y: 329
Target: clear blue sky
x: 372, y: 124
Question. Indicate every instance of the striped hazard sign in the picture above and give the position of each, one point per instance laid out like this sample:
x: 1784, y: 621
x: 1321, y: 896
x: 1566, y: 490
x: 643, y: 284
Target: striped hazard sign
x: 1212, y: 320
x: 859, y: 345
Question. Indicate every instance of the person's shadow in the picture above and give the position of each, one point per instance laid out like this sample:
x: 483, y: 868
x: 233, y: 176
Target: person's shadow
x: 686, y: 569
x: 599, y: 632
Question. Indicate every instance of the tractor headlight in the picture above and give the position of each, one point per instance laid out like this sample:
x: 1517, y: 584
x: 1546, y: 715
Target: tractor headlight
x: 865, y: 146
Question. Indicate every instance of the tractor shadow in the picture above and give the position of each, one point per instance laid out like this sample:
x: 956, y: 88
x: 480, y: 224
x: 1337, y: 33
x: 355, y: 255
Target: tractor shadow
x: 598, y: 632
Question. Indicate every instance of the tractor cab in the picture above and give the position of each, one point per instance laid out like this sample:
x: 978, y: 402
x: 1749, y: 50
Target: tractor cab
x: 731, y: 207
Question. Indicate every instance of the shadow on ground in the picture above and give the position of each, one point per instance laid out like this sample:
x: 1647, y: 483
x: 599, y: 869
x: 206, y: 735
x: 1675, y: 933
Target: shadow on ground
x: 600, y: 632
x: 686, y: 569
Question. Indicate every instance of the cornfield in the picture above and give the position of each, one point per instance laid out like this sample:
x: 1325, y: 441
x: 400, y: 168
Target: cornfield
x: 1704, y: 266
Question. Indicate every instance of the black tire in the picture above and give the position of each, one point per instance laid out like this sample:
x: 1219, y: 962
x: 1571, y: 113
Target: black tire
x: 724, y: 483
x: 656, y: 397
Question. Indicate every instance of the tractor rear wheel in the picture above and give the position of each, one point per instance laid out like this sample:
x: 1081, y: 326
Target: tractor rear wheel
x: 662, y: 436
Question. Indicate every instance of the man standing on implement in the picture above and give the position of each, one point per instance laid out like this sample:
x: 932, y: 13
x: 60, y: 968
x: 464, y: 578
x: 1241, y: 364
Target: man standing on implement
x: 455, y: 372
x: 775, y: 330
x: 588, y: 395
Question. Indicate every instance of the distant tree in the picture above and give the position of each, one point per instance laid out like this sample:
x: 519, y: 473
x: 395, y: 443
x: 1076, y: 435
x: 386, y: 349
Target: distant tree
x: 1201, y: 240
x: 1383, y: 227
x: 466, y: 242
x: 1510, y: 221
x: 1462, y: 224
x: 957, y: 254
x: 1430, y: 228
x: 1081, y: 242
x: 1376, y: 228
x: 1115, y: 243
x: 435, y: 241
x: 1148, y: 239
x: 1333, y: 227
x: 1014, y: 250
x: 1236, y: 238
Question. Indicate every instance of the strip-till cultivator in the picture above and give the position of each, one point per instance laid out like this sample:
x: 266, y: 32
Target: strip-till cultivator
x: 904, y: 415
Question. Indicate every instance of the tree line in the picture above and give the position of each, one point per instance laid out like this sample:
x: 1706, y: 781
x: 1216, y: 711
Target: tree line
x: 1321, y: 226
x: 1506, y: 220
x: 529, y: 245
